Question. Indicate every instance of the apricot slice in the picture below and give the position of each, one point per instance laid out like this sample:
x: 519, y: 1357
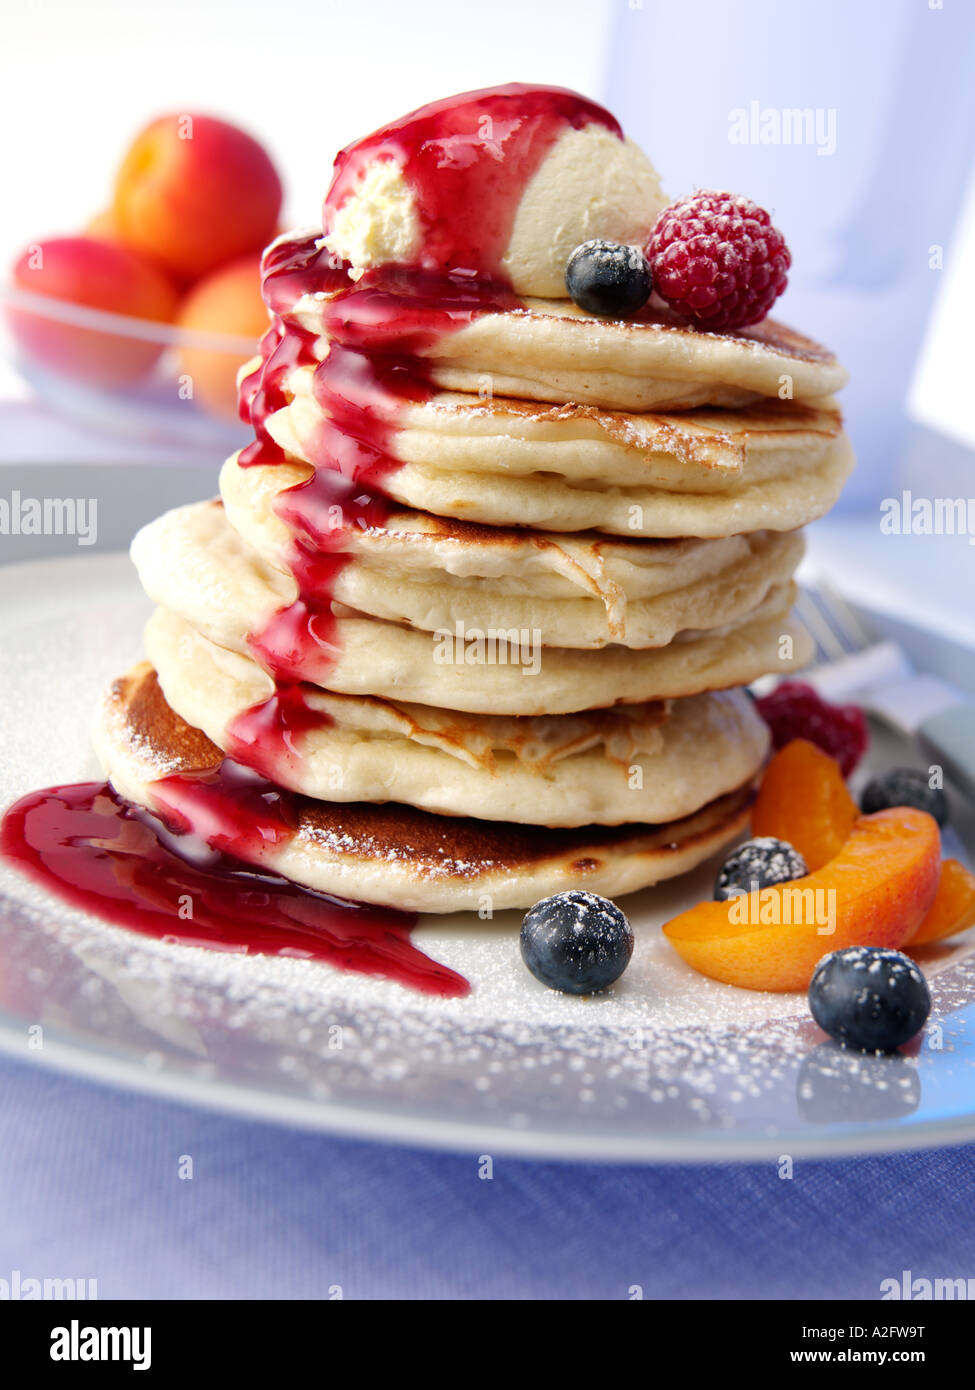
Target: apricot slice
x: 953, y: 909
x: 875, y: 892
x: 803, y: 799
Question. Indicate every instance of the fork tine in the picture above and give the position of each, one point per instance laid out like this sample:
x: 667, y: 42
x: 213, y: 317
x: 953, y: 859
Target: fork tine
x: 849, y: 661
x: 839, y: 618
x: 843, y: 614
x: 828, y: 645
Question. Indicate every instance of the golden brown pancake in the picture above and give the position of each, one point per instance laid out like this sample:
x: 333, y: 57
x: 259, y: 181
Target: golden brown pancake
x: 774, y: 464
x: 402, y: 856
x: 648, y: 762
x: 580, y: 592
x: 551, y: 350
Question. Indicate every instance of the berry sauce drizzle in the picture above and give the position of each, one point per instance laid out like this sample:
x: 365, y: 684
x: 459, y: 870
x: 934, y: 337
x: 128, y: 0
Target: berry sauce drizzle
x: 265, y: 737
x: 466, y: 162
x: 87, y: 846
x: 365, y: 382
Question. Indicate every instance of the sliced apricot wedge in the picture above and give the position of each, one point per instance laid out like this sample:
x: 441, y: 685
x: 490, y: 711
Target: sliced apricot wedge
x: 875, y: 892
x: 953, y: 909
x: 803, y: 799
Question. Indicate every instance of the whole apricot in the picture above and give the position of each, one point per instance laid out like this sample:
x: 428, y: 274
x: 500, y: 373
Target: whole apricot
x: 98, y: 274
x: 227, y: 302
x: 196, y: 192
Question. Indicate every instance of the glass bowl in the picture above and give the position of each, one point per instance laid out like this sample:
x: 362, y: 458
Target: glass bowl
x: 124, y: 377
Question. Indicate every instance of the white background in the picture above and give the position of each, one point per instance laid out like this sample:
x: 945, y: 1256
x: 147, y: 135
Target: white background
x: 79, y: 77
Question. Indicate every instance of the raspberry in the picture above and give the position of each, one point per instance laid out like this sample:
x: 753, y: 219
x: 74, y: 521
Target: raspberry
x: 794, y: 710
x: 717, y: 259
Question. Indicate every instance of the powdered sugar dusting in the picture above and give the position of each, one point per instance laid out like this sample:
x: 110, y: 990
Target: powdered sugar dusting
x: 665, y: 1061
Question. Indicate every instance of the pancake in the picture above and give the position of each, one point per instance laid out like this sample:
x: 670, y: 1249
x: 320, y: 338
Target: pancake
x: 547, y: 503
x: 650, y: 762
x: 777, y: 464
x: 469, y: 619
x: 551, y: 350
x: 370, y: 657
x: 398, y: 855
x: 580, y: 592
x: 700, y: 451
x: 781, y: 479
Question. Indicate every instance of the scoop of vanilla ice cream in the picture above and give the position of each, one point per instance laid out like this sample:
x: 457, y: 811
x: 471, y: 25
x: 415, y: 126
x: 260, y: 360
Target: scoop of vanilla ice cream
x: 379, y: 222
x: 590, y: 184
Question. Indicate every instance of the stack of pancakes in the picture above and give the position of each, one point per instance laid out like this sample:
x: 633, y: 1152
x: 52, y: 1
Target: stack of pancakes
x: 512, y: 668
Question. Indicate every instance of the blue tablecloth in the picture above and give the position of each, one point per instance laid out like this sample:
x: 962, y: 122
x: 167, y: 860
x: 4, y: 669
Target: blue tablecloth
x: 90, y: 1189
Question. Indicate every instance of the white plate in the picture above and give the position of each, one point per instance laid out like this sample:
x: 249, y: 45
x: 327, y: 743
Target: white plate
x: 668, y: 1065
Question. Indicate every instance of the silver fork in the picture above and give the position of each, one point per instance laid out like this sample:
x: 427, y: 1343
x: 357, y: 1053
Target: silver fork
x: 850, y: 665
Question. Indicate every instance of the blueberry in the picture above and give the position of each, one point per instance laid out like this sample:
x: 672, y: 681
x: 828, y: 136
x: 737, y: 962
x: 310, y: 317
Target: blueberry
x: 605, y: 277
x: 758, y: 864
x: 576, y: 942
x: 905, y: 786
x: 869, y: 997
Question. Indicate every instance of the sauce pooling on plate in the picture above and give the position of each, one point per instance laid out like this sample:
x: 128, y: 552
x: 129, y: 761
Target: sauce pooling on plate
x: 92, y: 849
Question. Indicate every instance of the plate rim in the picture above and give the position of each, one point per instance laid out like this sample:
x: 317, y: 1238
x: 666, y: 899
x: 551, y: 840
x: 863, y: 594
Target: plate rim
x: 372, y: 1124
